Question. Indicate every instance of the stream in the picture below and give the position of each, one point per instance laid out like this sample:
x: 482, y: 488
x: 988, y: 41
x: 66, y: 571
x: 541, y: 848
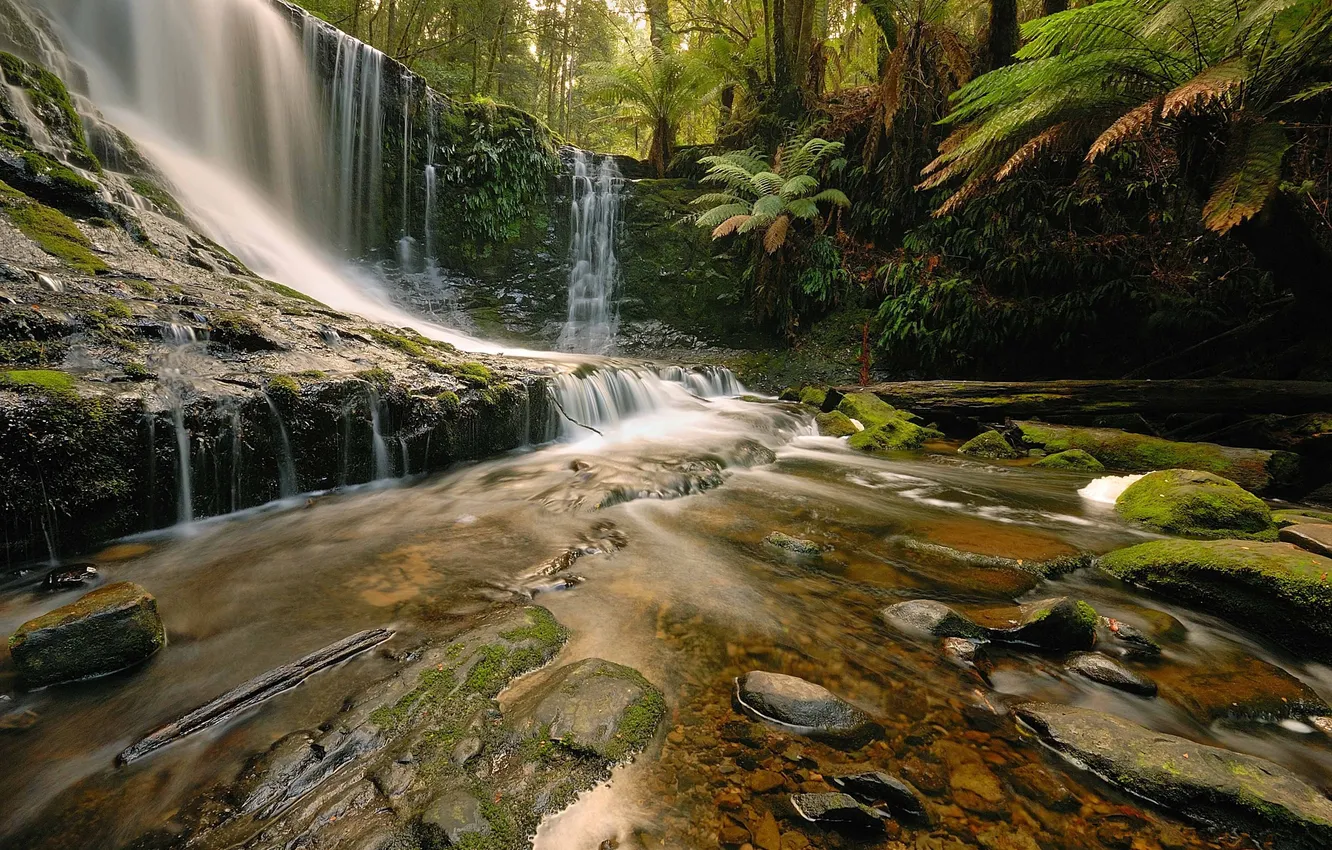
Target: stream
x: 694, y: 598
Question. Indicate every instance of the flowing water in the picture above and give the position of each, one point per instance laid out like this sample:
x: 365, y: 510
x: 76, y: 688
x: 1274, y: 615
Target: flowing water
x: 594, y: 216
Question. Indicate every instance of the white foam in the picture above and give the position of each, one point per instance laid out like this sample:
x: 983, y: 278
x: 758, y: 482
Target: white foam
x: 1106, y: 490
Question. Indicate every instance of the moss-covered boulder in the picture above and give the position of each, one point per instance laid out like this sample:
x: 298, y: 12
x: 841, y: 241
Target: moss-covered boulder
x: 893, y: 435
x: 813, y: 396
x: 835, y: 424
x: 870, y: 410
x: 1257, y: 470
x: 1275, y: 589
x: 109, y: 629
x: 990, y: 444
x: 1074, y: 460
x: 1059, y: 623
x: 1199, y: 782
x: 1196, y: 504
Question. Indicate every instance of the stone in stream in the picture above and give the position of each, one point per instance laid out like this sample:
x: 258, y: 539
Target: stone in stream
x: 967, y: 652
x: 592, y: 706
x: 109, y: 629
x: 871, y: 411
x: 1240, y: 688
x: 875, y: 786
x: 836, y: 424
x: 69, y: 575
x: 1202, y: 783
x: 794, y: 545
x: 1310, y: 536
x: 1108, y: 671
x: 925, y: 616
x: 1298, y: 516
x: 1133, y: 639
x: 1049, y: 567
x: 838, y: 811
x: 1073, y: 460
x: 1059, y: 623
x: 1195, y: 504
x: 894, y: 435
x: 803, y: 708
x: 992, y: 445
x: 1275, y: 589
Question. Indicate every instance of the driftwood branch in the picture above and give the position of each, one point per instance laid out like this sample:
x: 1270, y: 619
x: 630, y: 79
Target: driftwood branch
x: 565, y: 414
x: 255, y: 691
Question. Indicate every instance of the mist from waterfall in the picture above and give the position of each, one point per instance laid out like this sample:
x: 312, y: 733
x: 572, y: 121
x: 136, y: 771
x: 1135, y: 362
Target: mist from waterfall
x: 594, y: 219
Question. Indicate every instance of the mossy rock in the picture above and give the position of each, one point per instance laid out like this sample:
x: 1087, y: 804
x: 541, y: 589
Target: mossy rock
x: 109, y: 629
x: 1061, y: 623
x: 1257, y: 470
x: 789, y: 394
x: 1275, y: 589
x: 835, y: 424
x: 53, y: 232
x: 813, y: 396
x: 894, y: 435
x: 1196, y: 504
x: 794, y: 545
x: 1301, y: 516
x: 37, y: 380
x: 1075, y: 460
x: 870, y: 410
x: 990, y: 444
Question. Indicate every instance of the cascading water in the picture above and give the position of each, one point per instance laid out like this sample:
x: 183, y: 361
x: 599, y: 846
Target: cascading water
x: 286, y: 461
x: 594, y: 399
x: 383, y: 466
x: 591, y: 324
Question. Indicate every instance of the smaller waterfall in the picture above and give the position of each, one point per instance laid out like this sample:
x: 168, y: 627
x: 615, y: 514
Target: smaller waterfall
x: 185, y: 481
x: 591, y: 324
x: 431, y: 179
x: 383, y: 465
x: 286, y: 462
x: 603, y: 397
x: 704, y: 381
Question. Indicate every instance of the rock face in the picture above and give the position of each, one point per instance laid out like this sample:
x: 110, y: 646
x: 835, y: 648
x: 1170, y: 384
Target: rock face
x: 1075, y: 460
x: 1276, y: 589
x: 925, y: 616
x: 1108, y: 671
x: 803, y: 708
x: 990, y: 444
x: 594, y: 706
x: 1256, y: 470
x: 112, y: 628
x: 1203, y: 783
x: 1195, y: 504
x: 1309, y: 536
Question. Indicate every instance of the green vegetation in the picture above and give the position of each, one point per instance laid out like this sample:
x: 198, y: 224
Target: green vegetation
x: 1073, y: 460
x: 990, y: 444
x: 1196, y: 504
x: 165, y: 202
x: 49, y: 96
x: 282, y: 289
x: 835, y: 424
x: 38, y: 380
x: 870, y: 410
x: 54, y: 232
x: 895, y: 435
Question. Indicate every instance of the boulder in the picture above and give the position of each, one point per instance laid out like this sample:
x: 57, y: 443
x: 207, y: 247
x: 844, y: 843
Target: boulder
x: 1108, y: 671
x: 1195, y: 504
x: 875, y: 786
x: 1058, y: 623
x: 813, y: 396
x: 1240, y: 688
x: 1276, y: 589
x: 1203, y: 783
x: 795, y: 545
x: 1297, y: 516
x: 1256, y: 470
x: 456, y: 814
x: 109, y: 629
x: 835, y: 424
x: 925, y: 616
x: 895, y: 435
x: 1075, y: 460
x: 1313, y: 537
x: 870, y: 410
x: 802, y: 707
x: 990, y: 444
x: 591, y: 706
x: 1133, y: 640
x: 837, y: 811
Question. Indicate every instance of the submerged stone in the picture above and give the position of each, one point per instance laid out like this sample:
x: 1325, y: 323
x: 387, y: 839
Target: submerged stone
x: 1202, y: 783
x: 1134, y: 640
x: 109, y: 629
x: 837, y: 811
x: 456, y: 814
x: 872, y: 787
x: 1195, y: 504
x: 802, y: 707
x: 990, y: 444
x: 794, y: 545
x: 592, y: 705
x: 1240, y: 688
x: 1073, y: 459
x: 1276, y: 589
x: 1108, y: 671
x: 70, y: 575
x: 925, y: 616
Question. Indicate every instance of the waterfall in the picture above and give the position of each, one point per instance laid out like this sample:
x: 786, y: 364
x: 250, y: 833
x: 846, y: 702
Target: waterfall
x: 607, y: 396
x: 431, y: 180
x: 286, y: 461
x: 594, y: 215
x: 184, y: 482
x: 383, y: 466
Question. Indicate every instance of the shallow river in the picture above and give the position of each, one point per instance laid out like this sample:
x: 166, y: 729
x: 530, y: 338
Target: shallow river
x: 693, y: 599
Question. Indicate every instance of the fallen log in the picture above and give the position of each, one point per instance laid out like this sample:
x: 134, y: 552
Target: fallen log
x: 255, y: 691
x: 1045, y: 399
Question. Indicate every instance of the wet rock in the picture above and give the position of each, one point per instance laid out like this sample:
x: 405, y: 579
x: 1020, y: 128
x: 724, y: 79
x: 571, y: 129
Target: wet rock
x: 1195, y: 504
x: 1075, y: 460
x: 836, y: 424
x: 1050, y: 567
x: 925, y: 616
x: 1036, y: 783
x: 813, y: 396
x: 895, y: 435
x: 990, y: 444
x: 794, y: 545
x: 974, y: 786
x: 593, y: 706
x: 1134, y: 640
x: 877, y: 787
x: 763, y: 781
x: 985, y: 712
x: 870, y: 410
x: 456, y: 815
x: 837, y: 811
x: 1240, y: 688
x: 1108, y: 671
x: 767, y: 835
x: 1312, y: 537
x: 1276, y: 589
x: 69, y: 575
x: 1200, y: 782
x: 1058, y: 623
x: 967, y: 652
x: 1300, y: 516
x: 802, y: 707
x: 1006, y: 838
x: 109, y: 629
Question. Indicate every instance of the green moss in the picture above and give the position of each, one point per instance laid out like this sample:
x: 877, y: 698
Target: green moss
x: 894, y: 435
x: 789, y: 394
x: 1073, y: 460
x: 395, y: 341
x: 142, y: 288
x: 1300, y: 515
x: 56, y: 234
x: 990, y: 444
x: 433, y: 685
x: 30, y: 352
x: 835, y: 424
x: 813, y: 396
x: 137, y: 372
x: 870, y: 410
x: 38, y: 380
x: 117, y: 309
x: 282, y: 387
x: 380, y: 378
x: 476, y: 374
x: 49, y: 93
x: 8, y: 191
x: 310, y: 375
x: 1196, y: 504
x: 638, y: 724
x: 449, y: 400
x: 160, y: 197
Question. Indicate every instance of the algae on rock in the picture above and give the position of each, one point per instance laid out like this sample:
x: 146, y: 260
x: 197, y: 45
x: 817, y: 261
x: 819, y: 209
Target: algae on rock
x: 990, y: 444
x: 1196, y: 504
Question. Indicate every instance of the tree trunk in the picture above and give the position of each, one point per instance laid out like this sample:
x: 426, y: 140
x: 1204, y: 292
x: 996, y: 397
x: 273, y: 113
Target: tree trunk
x: 1053, y: 7
x: 659, y: 152
x: 727, y: 104
x: 659, y: 24
x: 1283, y: 244
x: 1003, y: 41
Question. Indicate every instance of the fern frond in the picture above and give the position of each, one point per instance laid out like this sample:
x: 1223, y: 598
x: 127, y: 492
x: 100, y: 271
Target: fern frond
x: 731, y: 225
x: 835, y: 197
x: 769, y: 205
x: 803, y: 208
x: 801, y: 184
x: 713, y: 199
x: 1251, y: 174
x: 766, y: 183
x: 1207, y: 89
x: 1129, y: 125
x: 715, y: 216
x: 775, y: 236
